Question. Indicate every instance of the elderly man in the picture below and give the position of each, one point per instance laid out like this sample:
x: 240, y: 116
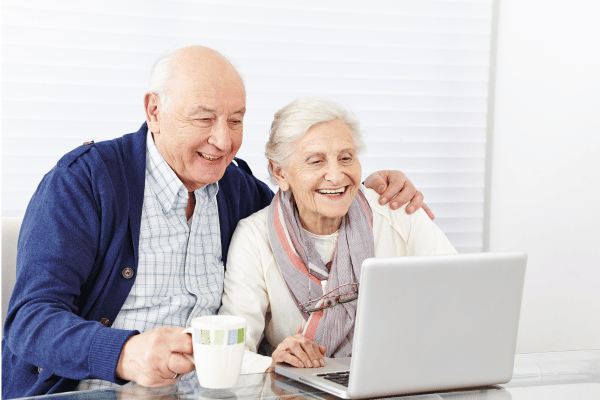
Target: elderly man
x: 131, y: 235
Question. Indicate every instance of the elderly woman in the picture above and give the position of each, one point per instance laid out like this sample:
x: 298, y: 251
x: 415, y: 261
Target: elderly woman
x: 288, y: 263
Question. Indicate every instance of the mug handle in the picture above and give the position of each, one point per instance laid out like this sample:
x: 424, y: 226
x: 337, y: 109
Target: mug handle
x: 191, y: 358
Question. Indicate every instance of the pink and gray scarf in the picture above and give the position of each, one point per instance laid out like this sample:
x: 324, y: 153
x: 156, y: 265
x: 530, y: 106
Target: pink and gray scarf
x: 295, y: 253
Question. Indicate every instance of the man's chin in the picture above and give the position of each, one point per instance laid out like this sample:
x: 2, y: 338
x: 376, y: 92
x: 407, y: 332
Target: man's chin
x: 208, y: 177
x: 209, y: 172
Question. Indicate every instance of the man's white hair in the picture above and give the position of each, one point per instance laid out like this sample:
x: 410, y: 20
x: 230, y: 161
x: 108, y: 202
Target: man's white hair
x: 294, y: 120
x: 162, y: 71
x: 160, y: 76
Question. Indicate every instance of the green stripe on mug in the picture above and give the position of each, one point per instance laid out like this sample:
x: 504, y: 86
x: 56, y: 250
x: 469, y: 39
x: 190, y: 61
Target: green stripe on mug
x: 204, y: 336
x: 221, y: 337
x: 235, y: 336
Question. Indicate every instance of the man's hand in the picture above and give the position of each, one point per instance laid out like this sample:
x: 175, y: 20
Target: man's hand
x: 154, y: 357
x: 299, y: 351
x: 395, y: 186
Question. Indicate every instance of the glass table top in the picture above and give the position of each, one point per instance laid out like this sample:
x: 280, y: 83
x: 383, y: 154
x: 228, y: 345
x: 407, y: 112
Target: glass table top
x: 548, y: 376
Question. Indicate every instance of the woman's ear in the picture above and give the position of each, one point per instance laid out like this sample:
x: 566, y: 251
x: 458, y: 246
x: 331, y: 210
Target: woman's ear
x: 279, y: 175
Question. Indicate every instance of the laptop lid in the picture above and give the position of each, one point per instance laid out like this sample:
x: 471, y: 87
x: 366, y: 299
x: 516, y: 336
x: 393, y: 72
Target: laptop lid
x: 430, y: 323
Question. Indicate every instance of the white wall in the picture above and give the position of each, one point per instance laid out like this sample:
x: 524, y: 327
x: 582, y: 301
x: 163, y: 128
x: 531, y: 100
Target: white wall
x: 546, y: 166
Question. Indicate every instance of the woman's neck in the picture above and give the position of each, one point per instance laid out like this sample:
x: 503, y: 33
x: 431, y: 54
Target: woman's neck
x: 322, y: 226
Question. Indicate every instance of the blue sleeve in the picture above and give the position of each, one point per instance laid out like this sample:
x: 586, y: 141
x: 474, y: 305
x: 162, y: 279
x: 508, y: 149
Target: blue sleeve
x: 58, y: 252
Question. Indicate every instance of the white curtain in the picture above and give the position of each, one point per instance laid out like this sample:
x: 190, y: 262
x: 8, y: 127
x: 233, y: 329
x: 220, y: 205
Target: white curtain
x: 416, y: 73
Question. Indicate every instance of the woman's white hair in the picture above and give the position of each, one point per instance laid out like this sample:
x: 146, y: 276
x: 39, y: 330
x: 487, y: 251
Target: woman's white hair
x: 294, y: 120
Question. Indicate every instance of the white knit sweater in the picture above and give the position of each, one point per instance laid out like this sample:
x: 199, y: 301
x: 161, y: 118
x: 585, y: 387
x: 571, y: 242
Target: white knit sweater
x: 255, y: 289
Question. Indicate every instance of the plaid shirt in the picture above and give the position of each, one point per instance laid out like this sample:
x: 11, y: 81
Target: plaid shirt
x: 180, y: 272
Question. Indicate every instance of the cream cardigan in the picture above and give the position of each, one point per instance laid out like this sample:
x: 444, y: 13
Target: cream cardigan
x: 255, y: 289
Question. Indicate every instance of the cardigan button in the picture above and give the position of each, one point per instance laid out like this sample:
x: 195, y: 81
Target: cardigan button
x: 87, y: 143
x: 40, y: 370
x: 105, y: 322
x: 127, y: 273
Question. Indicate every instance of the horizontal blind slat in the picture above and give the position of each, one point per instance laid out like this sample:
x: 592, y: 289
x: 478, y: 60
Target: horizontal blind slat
x: 414, y: 71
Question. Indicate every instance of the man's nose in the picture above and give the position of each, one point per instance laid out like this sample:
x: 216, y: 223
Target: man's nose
x: 220, y: 136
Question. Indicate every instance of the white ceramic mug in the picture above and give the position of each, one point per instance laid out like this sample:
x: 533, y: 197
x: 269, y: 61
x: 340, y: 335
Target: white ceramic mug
x: 218, y: 342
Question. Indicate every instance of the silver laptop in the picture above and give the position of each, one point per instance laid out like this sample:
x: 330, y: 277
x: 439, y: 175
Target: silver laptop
x: 428, y: 323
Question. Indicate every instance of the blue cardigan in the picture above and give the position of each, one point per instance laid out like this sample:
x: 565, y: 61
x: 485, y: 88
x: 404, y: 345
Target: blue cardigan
x: 80, y: 232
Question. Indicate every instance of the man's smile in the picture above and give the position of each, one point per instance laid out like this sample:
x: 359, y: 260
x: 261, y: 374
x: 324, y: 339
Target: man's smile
x: 208, y: 157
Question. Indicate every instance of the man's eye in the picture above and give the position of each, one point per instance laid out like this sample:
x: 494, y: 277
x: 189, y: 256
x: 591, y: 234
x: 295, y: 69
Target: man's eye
x: 235, y: 123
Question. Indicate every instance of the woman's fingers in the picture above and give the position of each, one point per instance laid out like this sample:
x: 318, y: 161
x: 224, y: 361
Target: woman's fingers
x: 308, y: 352
x: 299, y: 352
x: 323, y: 349
x: 289, y: 358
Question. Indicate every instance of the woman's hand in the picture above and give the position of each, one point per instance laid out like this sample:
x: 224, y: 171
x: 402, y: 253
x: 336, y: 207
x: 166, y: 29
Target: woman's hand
x: 299, y: 351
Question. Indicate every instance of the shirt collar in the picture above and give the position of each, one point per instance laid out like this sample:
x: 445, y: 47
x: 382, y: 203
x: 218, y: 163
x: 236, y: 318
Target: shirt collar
x: 170, y: 191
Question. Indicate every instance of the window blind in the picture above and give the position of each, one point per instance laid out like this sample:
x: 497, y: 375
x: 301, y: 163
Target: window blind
x: 416, y: 73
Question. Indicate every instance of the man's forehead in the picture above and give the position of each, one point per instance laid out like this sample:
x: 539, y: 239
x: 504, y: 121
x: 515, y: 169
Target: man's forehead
x: 202, y: 108
x: 218, y: 94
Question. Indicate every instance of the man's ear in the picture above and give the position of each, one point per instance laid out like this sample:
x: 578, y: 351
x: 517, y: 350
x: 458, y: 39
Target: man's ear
x: 279, y: 176
x: 152, y: 109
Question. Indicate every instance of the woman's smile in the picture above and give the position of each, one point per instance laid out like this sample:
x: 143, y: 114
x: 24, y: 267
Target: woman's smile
x: 332, y: 192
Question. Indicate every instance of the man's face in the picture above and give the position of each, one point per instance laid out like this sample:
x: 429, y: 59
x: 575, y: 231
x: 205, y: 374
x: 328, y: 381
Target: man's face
x: 202, y: 129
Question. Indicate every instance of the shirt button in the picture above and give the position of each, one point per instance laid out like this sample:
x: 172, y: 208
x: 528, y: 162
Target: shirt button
x: 87, y: 143
x: 127, y: 273
x: 105, y: 321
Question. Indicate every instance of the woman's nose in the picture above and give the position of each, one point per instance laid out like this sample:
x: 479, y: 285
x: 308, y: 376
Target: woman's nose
x: 334, y: 173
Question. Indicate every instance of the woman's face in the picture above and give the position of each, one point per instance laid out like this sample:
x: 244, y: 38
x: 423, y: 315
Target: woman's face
x: 324, y: 175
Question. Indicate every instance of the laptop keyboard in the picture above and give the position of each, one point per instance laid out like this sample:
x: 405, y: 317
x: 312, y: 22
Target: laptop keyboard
x: 340, y: 378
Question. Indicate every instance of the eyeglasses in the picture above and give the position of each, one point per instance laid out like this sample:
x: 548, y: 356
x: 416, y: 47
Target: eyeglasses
x: 330, y: 300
